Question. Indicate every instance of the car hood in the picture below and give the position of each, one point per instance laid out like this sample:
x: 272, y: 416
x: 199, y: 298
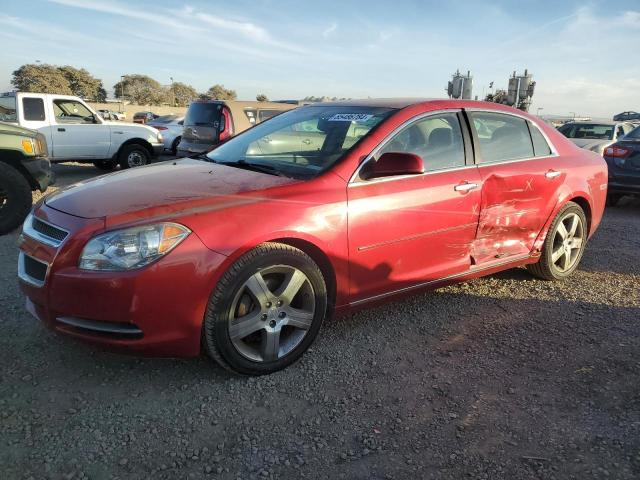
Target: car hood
x: 161, y: 189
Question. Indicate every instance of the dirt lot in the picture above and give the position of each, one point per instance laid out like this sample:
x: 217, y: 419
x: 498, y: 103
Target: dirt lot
x: 505, y: 377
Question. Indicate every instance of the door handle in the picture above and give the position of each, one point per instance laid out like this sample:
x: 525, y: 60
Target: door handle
x: 306, y: 141
x: 62, y: 129
x: 552, y: 174
x: 465, y: 187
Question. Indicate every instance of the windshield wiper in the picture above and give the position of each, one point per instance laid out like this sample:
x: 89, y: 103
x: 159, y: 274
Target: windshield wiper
x: 258, y: 167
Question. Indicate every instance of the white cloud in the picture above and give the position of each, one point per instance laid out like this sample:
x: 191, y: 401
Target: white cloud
x: 327, y: 32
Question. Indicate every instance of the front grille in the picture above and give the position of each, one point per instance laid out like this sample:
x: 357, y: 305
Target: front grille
x: 35, y: 269
x: 48, y: 230
x: 31, y: 270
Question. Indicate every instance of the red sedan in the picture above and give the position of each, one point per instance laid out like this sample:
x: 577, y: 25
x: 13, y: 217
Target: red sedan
x: 245, y: 250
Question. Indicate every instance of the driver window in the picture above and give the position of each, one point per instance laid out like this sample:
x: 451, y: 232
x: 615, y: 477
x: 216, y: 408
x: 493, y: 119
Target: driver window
x: 437, y: 139
x: 71, y: 111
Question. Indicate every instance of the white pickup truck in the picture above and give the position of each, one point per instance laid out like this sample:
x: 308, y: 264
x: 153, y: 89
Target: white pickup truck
x: 76, y: 133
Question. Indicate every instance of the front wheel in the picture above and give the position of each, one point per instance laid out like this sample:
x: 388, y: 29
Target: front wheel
x: 564, y: 245
x: 105, y: 165
x: 15, y: 198
x: 265, y: 311
x: 174, y: 145
x: 133, y: 156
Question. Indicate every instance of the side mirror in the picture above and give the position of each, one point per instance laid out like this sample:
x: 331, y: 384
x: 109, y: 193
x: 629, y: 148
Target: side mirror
x: 397, y: 163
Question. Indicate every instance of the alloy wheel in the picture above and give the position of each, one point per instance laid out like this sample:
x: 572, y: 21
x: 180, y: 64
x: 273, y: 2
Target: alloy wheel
x: 271, y: 313
x: 567, y: 242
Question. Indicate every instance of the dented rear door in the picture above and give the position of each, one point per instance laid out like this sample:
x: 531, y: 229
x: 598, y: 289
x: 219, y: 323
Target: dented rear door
x: 520, y: 182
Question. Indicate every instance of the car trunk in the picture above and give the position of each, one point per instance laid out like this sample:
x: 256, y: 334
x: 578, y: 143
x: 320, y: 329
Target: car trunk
x: 202, y: 123
x: 627, y: 168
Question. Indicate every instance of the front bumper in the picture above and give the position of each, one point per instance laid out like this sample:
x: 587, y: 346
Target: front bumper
x: 158, y: 149
x: 157, y: 310
x: 39, y: 168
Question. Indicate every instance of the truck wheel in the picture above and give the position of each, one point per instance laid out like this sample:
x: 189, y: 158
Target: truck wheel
x: 106, y: 165
x: 133, y: 156
x: 15, y: 198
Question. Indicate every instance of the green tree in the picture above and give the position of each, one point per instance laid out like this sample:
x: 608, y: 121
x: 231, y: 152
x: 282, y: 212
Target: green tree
x: 180, y: 94
x: 218, y: 92
x: 83, y: 84
x: 140, y: 89
x: 41, y: 79
x: 261, y: 97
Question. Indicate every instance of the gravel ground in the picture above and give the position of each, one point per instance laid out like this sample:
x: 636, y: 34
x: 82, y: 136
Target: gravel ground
x: 504, y: 377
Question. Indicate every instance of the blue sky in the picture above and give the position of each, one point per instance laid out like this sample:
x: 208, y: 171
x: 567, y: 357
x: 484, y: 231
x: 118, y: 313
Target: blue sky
x: 584, y: 55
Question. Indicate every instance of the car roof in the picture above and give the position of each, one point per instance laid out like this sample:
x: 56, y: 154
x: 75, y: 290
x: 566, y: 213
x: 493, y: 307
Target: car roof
x: 378, y: 102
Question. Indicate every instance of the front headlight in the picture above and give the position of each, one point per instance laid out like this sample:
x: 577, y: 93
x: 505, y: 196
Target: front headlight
x: 131, y: 248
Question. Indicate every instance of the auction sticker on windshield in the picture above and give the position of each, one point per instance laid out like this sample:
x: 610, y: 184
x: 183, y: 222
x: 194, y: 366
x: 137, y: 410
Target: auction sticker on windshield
x: 350, y: 117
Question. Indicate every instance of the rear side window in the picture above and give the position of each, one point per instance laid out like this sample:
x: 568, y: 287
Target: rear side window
x: 501, y: 137
x: 204, y: 114
x: 540, y: 146
x: 33, y: 109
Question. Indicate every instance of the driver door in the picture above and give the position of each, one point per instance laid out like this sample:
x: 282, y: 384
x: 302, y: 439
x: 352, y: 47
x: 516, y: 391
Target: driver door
x: 74, y: 135
x: 409, y: 230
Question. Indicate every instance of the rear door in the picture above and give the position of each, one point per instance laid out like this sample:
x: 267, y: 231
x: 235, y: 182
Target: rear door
x: 76, y: 133
x: 413, y: 229
x: 202, y: 124
x: 521, y: 176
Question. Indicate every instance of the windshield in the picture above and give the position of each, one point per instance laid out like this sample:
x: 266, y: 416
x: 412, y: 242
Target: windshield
x: 589, y: 131
x: 203, y: 114
x: 8, y: 109
x: 302, y: 142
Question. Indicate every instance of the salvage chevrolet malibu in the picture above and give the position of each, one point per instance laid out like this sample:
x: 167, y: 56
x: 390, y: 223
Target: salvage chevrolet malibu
x: 244, y: 251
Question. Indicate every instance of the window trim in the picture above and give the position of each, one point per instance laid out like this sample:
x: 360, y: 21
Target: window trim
x: 467, y: 142
x: 476, y: 142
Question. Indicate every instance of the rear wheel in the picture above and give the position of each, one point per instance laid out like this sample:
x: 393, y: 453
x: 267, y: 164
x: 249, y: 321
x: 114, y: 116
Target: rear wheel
x: 564, y: 245
x: 15, y: 198
x: 174, y: 145
x: 265, y: 311
x: 133, y: 156
x: 106, y: 165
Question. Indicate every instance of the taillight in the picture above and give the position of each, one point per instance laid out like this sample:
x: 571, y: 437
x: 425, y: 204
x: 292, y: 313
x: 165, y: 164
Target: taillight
x: 226, y: 131
x: 158, y: 127
x: 617, y: 152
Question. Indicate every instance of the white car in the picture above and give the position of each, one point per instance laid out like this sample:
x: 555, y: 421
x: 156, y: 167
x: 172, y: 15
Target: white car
x: 595, y: 136
x: 171, y: 127
x: 76, y: 133
x: 111, y: 115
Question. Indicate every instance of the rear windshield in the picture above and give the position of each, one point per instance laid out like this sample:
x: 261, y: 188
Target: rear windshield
x: 203, y: 114
x: 591, y: 131
x: 635, y: 133
x: 165, y: 119
x: 8, y: 109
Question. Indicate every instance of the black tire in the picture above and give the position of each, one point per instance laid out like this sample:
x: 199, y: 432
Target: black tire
x: 133, y: 156
x: 216, y: 337
x: 105, y: 165
x: 174, y: 145
x: 15, y: 198
x: 613, y: 199
x: 545, y: 268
